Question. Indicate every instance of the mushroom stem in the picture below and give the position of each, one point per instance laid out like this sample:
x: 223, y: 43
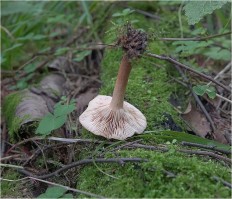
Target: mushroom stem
x: 121, y: 83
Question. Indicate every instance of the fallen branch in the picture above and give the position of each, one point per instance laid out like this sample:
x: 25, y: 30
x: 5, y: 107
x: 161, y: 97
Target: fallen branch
x: 10, y: 157
x: 227, y: 184
x: 195, y: 38
x: 173, y: 61
x: 11, y: 166
x: 82, y: 162
x: 206, y: 147
x: 66, y: 140
x: 136, y: 145
x: 192, y: 152
x: 206, y: 153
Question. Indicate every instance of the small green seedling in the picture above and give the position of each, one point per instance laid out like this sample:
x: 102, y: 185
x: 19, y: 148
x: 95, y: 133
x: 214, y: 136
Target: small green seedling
x: 55, y: 192
x: 202, y: 89
x: 54, y: 121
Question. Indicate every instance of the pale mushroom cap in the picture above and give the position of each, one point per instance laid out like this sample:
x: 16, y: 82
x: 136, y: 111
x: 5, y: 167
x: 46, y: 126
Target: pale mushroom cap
x: 100, y: 119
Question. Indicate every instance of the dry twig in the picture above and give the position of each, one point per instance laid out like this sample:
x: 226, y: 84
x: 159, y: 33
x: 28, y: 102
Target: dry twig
x: 196, y: 38
x: 173, y: 61
x: 225, y: 183
x: 83, y: 162
x: 227, y: 152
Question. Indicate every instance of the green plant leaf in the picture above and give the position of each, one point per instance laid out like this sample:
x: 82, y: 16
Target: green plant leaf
x: 196, y: 10
x: 81, y: 55
x: 63, y: 109
x: 54, y: 121
x: 13, y: 47
x: 53, y: 192
x: 14, y: 7
x: 200, y: 89
x: 61, y: 51
x: 50, y: 123
x: 124, y: 13
x: 21, y: 84
x: 31, y: 36
x: 190, y: 47
x: 211, y: 92
x: 30, y: 68
x: 68, y: 195
x: 218, y: 53
x: 43, y: 195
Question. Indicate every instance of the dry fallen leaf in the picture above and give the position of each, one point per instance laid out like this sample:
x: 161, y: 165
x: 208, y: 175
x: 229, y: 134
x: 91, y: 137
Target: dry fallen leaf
x: 37, y: 102
x: 31, y: 108
x: 197, y: 121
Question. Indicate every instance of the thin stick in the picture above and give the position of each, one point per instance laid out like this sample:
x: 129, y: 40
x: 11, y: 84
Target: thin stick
x: 226, y: 99
x: 169, y: 59
x: 227, y: 184
x: 22, y: 142
x: 7, y: 32
x: 83, y: 162
x: 207, y: 153
x: 67, y: 140
x: 8, y: 180
x: 11, y: 166
x: 10, y: 157
x: 38, y: 151
x: 221, y: 72
x: 68, y: 188
x: 195, y: 38
x: 44, y: 158
x: 146, y: 14
x: 206, y: 147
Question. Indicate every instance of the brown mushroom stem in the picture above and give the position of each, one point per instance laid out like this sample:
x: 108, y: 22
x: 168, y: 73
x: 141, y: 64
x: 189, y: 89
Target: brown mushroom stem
x: 121, y: 83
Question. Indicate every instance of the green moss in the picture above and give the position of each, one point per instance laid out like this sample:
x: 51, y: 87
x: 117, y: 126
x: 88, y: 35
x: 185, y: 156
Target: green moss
x: 11, y: 189
x: 193, y: 177
x: 9, y: 107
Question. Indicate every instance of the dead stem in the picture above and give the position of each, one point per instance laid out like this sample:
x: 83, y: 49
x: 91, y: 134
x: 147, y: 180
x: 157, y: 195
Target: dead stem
x: 173, y: 61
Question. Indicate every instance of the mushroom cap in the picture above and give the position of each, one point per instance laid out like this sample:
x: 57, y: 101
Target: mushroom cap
x: 100, y: 119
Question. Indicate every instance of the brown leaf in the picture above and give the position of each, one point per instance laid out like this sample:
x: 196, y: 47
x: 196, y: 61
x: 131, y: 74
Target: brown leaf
x: 223, y: 126
x: 197, y: 121
x: 60, y: 64
x: 52, y: 85
x: 37, y: 102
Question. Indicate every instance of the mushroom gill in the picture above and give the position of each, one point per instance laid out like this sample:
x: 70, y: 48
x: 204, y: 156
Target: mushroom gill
x: 101, y: 119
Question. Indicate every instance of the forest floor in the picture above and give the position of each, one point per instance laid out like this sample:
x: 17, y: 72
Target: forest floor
x: 47, y: 83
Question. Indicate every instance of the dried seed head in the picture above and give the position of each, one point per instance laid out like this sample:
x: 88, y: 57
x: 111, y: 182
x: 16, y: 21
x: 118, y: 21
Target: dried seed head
x: 133, y: 41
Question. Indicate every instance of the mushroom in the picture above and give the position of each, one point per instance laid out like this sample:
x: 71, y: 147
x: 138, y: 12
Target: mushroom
x: 112, y: 117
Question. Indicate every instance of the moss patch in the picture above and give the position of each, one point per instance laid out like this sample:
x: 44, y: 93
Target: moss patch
x: 9, y: 107
x: 193, y: 177
x: 11, y: 189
